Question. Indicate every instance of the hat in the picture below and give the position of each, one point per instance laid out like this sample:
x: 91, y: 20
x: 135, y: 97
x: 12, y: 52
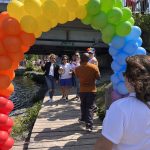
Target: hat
x: 91, y: 50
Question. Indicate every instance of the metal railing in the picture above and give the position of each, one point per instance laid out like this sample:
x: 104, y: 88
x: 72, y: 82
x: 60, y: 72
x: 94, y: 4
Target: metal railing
x: 137, y: 6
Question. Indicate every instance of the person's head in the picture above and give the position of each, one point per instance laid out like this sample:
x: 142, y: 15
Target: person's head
x: 91, y: 52
x: 84, y: 58
x: 65, y: 59
x: 137, y: 76
x: 52, y: 58
x: 77, y: 55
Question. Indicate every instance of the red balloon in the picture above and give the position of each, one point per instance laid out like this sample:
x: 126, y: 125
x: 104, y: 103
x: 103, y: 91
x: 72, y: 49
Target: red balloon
x: 11, y: 26
x: 4, y: 81
x: 12, y: 44
x: 15, y: 65
x: 5, y: 63
x: 28, y: 39
x: 8, y: 144
x: 7, y: 108
x: 9, y: 73
x: 3, y: 118
x: 24, y: 49
x: 7, y: 125
x: 9, y: 131
x: 3, y: 101
x: 19, y: 56
x: 2, y: 50
x: 3, y: 137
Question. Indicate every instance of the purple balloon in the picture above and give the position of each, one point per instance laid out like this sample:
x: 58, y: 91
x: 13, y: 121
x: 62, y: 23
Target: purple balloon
x: 115, y: 95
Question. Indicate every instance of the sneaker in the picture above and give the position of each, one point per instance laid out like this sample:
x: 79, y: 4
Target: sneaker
x: 89, y: 128
x: 81, y: 121
x: 66, y: 98
x: 50, y: 100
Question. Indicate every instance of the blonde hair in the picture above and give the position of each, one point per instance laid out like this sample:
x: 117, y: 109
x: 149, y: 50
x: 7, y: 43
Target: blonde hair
x: 52, y: 55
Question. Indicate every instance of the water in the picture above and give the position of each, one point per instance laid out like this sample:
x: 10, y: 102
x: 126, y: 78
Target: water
x: 25, y: 90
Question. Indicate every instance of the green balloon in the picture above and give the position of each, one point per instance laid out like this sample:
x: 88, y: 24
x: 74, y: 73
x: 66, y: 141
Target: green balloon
x: 87, y: 20
x: 124, y: 28
x: 93, y: 7
x: 118, y: 3
x: 106, y: 5
x: 131, y: 20
x: 115, y: 15
x: 127, y: 14
x: 108, y: 32
x: 99, y: 21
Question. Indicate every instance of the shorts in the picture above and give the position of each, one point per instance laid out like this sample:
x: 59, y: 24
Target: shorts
x: 66, y: 82
x: 50, y: 82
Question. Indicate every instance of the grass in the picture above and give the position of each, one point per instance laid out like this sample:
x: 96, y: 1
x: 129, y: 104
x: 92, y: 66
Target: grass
x: 25, y: 122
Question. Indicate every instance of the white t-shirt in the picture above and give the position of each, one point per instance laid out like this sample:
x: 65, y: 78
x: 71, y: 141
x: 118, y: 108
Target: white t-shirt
x: 51, y: 70
x: 93, y: 61
x: 66, y: 75
x: 75, y: 64
x: 127, y: 124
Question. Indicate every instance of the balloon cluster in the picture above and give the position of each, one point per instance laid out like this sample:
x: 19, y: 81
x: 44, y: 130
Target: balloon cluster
x: 37, y: 16
x: 109, y: 17
x: 14, y: 42
x: 120, y: 49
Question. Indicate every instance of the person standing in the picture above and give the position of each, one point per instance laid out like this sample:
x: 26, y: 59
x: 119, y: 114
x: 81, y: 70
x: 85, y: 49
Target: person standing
x: 127, y: 122
x: 87, y: 74
x: 51, y: 74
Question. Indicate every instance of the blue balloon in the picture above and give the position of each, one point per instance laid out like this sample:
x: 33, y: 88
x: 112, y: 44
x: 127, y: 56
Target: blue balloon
x: 115, y: 87
x: 118, y: 42
x: 139, y: 41
x: 130, y: 47
x: 115, y: 66
x: 134, y: 34
x: 140, y: 51
x: 121, y: 58
x: 121, y: 77
x: 115, y: 78
x: 113, y: 51
x: 121, y: 88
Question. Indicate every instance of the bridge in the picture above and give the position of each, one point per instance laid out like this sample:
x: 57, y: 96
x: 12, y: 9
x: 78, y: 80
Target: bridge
x: 75, y: 35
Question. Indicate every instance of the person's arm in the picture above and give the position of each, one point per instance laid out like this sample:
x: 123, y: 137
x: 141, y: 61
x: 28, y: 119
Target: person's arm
x: 103, y: 144
x: 43, y: 66
x: 97, y: 74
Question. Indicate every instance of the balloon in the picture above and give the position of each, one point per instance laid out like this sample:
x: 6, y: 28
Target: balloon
x: 60, y: 3
x: 130, y: 47
x: 120, y: 76
x: 93, y: 7
x: 99, y: 21
x: 63, y: 16
x: 134, y: 34
x: 2, y: 50
x: 118, y: 3
x: 33, y: 7
x: 127, y: 14
x: 72, y: 5
x: 5, y: 82
x: 3, y: 118
x: 87, y: 20
x: 115, y: 95
x: 139, y: 41
x: 24, y: 49
x: 3, y: 136
x: 11, y: 26
x: 113, y: 51
x: 15, y: 9
x: 9, y: 73
x: 123, y: 28
x: 115, y: 78
x: 118, y: 42
x: 122, y: 88
x: 12, y: 44
x: 8, y: 144
x: 83, y: 2
x: 71, y: 16
x: 3, y: 101
x: 29, y: 24
x: 15, y: 65
x: 19, y: 56
x: 140, y: 51
x: 115, y: 66
x: 106, y: 5
x: 121, y: 58
x: 81, y: 12
x: 115, y: 15
x: 6, y: 63
x: 7, y: 92
x: 27, y: 39
x: 131, y: 20
x: 50, y: 9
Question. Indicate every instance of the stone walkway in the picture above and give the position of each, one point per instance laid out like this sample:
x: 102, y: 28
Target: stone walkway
x: 57, y: 127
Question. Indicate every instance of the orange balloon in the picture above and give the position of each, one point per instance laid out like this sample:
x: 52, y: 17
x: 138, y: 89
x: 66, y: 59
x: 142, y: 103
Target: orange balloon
x: 3, y: 15
x: 4, y: 82
x: 9, y: 73
x: 11, y: 26
x: 2, y: 50
x: 12, y: 44
x: 5, y: 63
x: 7, y: 92
x: 24, y: 49
x: 19, y: 56
x: 28, y: 39
x: 15, y: 65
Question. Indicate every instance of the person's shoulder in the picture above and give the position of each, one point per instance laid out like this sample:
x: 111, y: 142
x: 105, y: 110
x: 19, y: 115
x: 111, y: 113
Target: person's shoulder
x: 93, y: 66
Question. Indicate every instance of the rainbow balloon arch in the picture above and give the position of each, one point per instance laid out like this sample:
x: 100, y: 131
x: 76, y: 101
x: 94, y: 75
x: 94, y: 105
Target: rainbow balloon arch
x: 25, y: 20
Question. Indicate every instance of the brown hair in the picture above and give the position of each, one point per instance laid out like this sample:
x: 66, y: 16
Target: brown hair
x: 138, y: 74
x: 64, y: 56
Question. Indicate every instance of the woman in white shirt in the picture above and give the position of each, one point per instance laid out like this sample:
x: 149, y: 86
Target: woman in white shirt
x: 127, y: 122
x: 65, y: 72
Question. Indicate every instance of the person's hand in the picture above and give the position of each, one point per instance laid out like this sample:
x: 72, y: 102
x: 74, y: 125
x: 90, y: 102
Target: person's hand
x: 57, y: 81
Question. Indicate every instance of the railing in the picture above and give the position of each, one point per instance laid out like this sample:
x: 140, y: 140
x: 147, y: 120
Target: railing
x: 137, y: 6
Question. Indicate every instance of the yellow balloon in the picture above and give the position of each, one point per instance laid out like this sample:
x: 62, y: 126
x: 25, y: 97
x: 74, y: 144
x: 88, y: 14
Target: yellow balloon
x: 29, y: 24
x: 38, y: 33
x: 72, y: 5
x: 63, y: 16
x: 72, y: 16
x: 16, y: 9
x: 42, y: 1
x: 53, y: 23
x: 61, y: 3
x: 83, y: 2
x: 33, y: 7
x: 81, y: 12
x: 50, y: 9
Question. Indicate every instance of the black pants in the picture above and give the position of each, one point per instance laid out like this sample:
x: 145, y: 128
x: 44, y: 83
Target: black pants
x: 87, y: 102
